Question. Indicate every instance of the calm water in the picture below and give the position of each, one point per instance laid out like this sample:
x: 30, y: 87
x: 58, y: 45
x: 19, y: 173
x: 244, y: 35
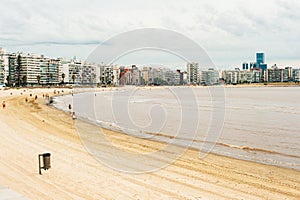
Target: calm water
x: 260, y: 124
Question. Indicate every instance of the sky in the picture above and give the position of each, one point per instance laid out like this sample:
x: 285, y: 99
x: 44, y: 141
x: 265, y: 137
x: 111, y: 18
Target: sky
x: 230, y: 31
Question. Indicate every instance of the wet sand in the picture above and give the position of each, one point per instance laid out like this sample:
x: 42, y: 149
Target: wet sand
x: 28, y: 129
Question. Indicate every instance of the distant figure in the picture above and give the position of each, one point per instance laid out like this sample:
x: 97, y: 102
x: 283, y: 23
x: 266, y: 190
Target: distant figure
x: 26, y: 99
x: 35, y: 97
x: 11, y: 93
x: 3, y: 105
x: 73, y: 116
x: 43, y: 96
x: 70, y: 107
x: 30, y: 95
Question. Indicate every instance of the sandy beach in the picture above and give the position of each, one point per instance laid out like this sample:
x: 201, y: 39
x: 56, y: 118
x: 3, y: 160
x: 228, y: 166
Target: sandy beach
x: 30, y: 128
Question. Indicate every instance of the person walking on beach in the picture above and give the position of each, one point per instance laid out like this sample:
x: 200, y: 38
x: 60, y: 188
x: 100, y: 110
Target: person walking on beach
x: 73, y: 116
x: 35, y: 97
x: 26, y: 99
x: 3, y: 105
x: 70, y: 107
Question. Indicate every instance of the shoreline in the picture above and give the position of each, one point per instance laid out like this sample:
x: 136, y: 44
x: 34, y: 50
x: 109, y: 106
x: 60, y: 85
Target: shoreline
x: 242, y: 85
x: 249, y: 153
x: 42, y: 128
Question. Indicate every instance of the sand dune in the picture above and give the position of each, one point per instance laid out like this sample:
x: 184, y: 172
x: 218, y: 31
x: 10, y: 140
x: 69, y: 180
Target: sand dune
x: 28, y: 129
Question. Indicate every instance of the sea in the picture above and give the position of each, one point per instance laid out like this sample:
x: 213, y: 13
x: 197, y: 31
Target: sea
x: 260, y: 124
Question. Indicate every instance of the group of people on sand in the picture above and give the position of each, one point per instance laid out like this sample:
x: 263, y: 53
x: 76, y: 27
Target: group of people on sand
x: 58, y: 91
x: 44, y: 96
x: 35, y: 98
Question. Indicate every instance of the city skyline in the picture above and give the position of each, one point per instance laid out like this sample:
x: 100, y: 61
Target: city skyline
x: 229, y: 32
x: 129, y: 60
x: 21, y: 69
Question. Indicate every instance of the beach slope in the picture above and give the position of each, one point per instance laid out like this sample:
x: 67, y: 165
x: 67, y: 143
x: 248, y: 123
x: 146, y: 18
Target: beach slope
x: 30, y: 128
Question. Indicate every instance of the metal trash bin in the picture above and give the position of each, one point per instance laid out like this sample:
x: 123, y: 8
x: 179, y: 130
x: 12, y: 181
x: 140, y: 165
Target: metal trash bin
x: 46, y: 161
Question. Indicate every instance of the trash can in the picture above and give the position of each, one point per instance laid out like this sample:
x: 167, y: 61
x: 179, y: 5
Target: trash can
x: 46, y: 161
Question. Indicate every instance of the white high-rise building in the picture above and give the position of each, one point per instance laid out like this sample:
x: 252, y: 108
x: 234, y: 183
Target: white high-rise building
x: 2, y: 77
x: 116, y: 75
x: 4, y: 56
x: 29, y: 68
x: 63, y: 68
x: 193, y: 73
x: 89, y: 73
x: 75, y: 71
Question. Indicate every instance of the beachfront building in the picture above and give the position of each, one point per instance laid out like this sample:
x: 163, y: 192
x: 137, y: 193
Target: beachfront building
x: 231, y: 76
x: 145, y: 76
x: 256, y: 75
x: 159, y: 80
x: 2, y: 75
x: 63, y: 71
x: 89, y: 73
x: 11, y: 69
x: 31, y: 69
x: 209, y: 77
x: 193, y: 73
x: 169, y: 77
x: 27, y: 68
x: 274, y: 74
x: 4, y: 55
x: 128, y: 77
x: 175, y: 77
x: 44, y: 76
x: 136, y: 75
x: 246, y: 76
x: 153, y: 75
x: 116, y: 75
x: 49, y: 71
x: 184, y: 78
x: 75, y: 71
x: 238, y: 76
x: 296, y: 75
x: 107, y: 75
x: 287, y: 74
x: 122, y: 77
x: 180, y: 75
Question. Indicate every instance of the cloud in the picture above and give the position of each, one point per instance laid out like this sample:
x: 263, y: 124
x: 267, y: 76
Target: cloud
x: 229, y: 30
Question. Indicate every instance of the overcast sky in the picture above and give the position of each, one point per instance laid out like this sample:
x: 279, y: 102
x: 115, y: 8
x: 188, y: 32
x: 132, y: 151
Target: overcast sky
x: 230, y: 31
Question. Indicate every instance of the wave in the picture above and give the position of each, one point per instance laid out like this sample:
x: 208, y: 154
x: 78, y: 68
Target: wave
x: 245, y: 148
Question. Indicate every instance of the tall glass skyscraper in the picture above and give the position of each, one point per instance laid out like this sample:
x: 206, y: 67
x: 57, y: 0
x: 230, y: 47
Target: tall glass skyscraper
x: 260, y: 58
x: 260, y: 63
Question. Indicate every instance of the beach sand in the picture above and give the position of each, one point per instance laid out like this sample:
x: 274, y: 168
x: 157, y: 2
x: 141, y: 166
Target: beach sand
x: 28, y: 129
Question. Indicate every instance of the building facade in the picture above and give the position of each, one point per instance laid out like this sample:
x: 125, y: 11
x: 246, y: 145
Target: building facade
x: 209, y: 77
x: 193, y: 73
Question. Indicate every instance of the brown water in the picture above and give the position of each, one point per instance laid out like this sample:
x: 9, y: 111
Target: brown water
x: 260, y: 124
